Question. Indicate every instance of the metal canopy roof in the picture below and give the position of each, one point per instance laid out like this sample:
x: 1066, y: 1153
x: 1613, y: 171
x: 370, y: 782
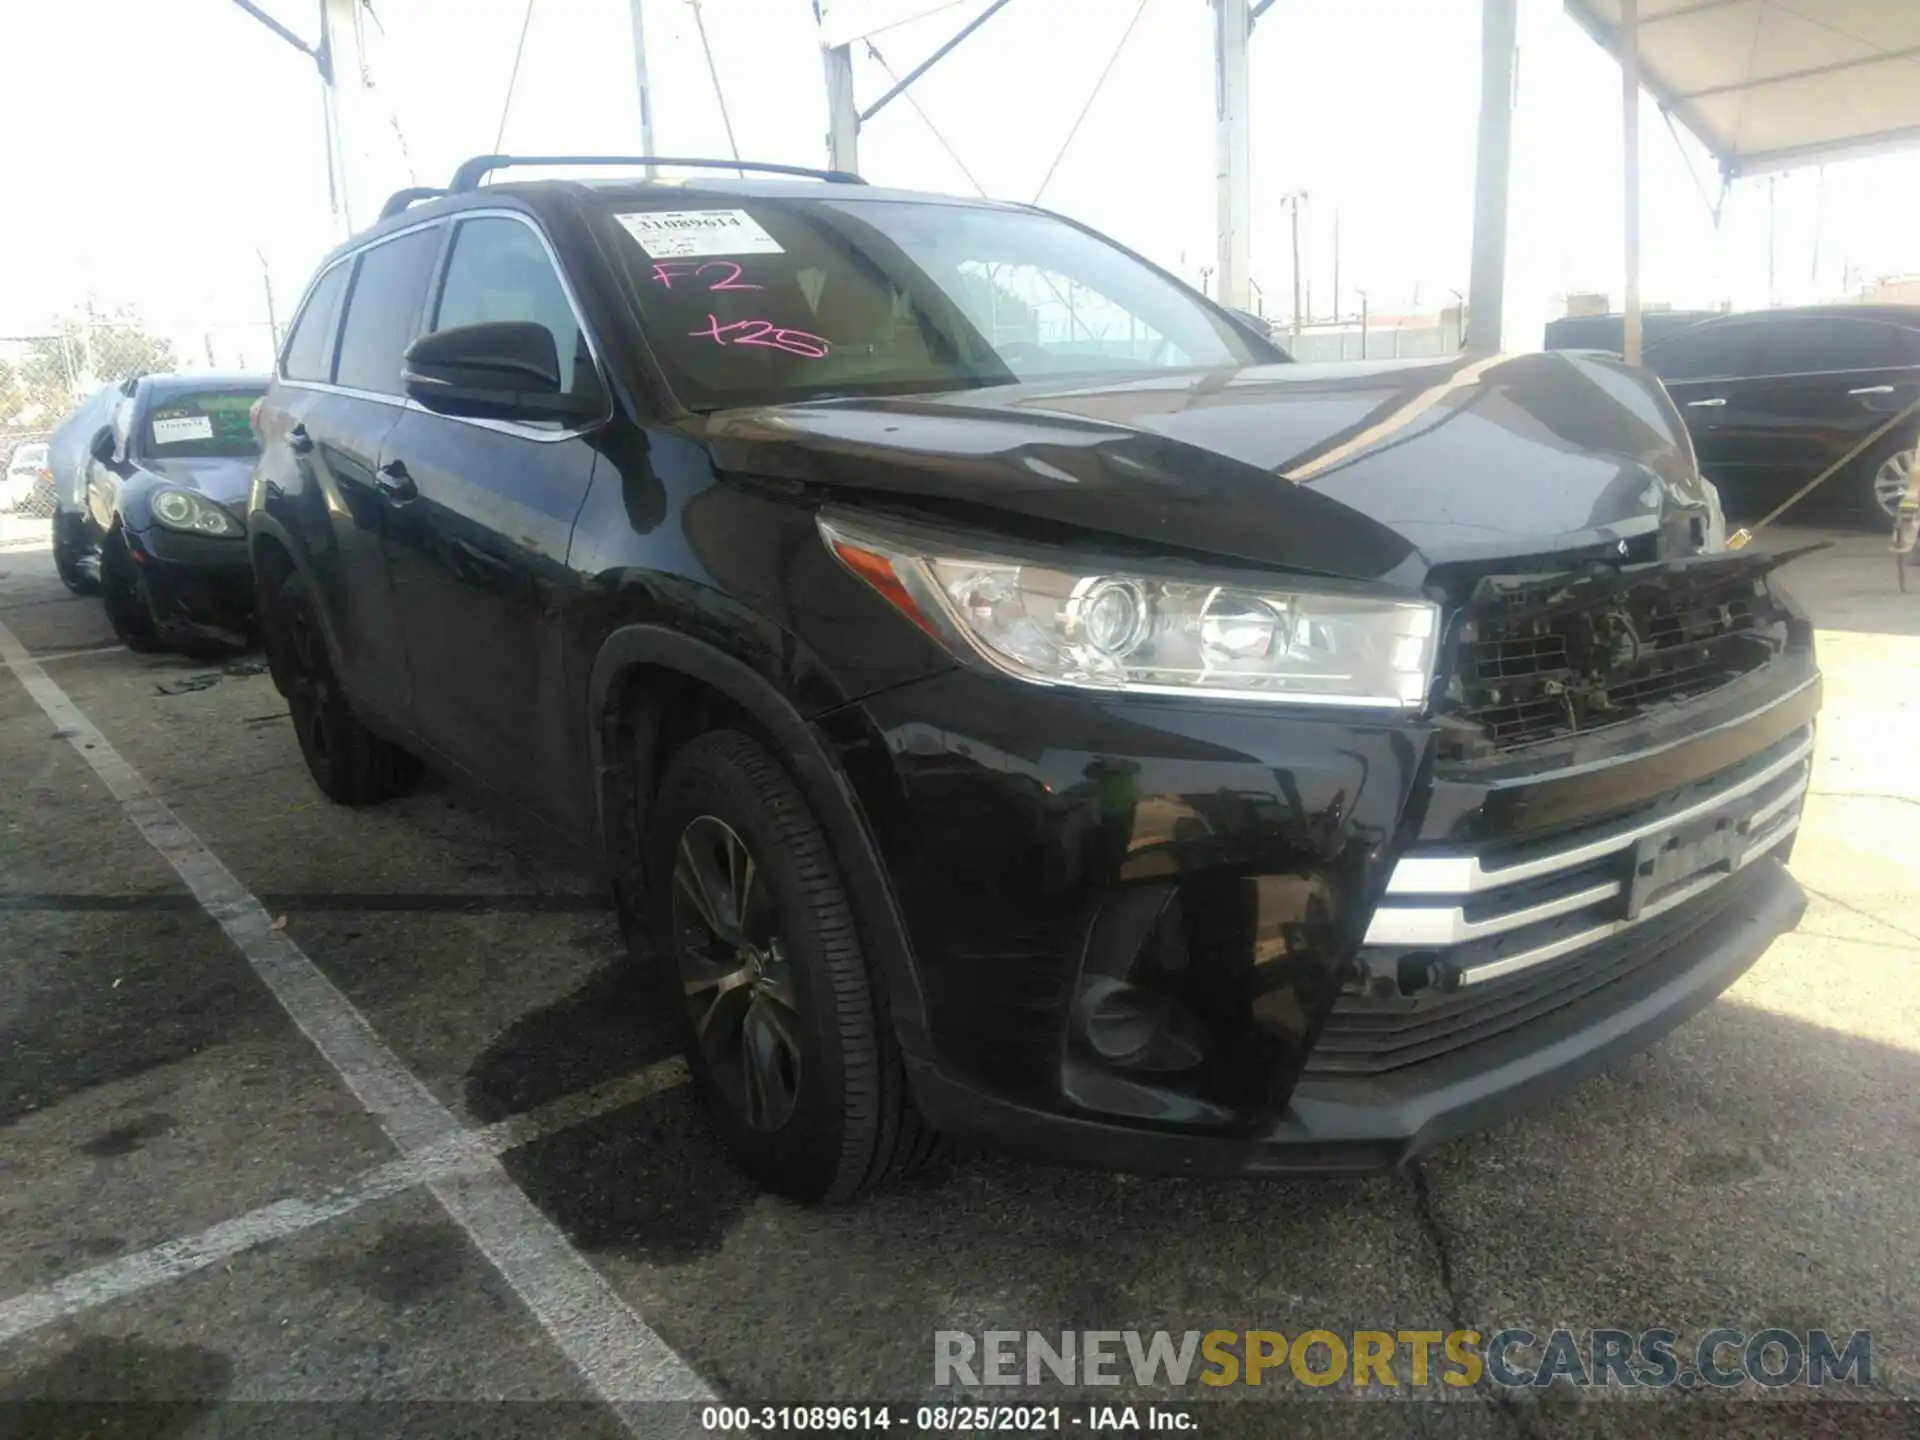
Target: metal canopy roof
x: 1768, y: 84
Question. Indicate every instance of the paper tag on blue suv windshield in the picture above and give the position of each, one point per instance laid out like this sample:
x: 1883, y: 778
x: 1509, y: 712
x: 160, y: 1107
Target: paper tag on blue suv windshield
x: 675, y: 234
x: 175, y: 428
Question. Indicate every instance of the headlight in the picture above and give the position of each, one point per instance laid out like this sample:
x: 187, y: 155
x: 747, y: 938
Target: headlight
x: 1048, y: 619
x: 184, y: 510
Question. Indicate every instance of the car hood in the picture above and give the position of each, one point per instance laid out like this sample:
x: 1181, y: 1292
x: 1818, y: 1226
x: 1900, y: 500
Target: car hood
x: 222, y: 479
x: 1371, y: 470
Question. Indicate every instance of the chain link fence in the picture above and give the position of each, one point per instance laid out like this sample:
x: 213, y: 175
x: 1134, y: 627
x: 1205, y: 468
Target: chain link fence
x: 44, y: 377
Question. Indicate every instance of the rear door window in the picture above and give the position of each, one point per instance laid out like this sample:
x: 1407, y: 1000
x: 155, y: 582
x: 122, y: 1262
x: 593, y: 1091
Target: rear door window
x: 309, y: 353
x: 383, y: 310
x: 1820, y: 344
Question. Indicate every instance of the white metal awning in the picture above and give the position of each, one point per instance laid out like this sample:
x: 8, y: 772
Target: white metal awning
x: 1770, y: 84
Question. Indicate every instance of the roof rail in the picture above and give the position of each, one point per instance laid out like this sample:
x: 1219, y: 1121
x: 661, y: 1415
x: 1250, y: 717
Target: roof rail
x: 412, y: 195
x: 472, y: 172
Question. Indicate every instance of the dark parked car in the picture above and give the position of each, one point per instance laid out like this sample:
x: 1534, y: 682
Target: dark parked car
x: 68, y: 456
x: 1608, y: 332
x: 1775, y: 397
x: 167, y: 479
x: 1010, y: 699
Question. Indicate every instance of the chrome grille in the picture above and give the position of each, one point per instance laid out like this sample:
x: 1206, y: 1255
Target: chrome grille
x: 1480, y: 916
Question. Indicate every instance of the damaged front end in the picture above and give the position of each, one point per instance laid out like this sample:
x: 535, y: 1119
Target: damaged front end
x: 1619, y: 751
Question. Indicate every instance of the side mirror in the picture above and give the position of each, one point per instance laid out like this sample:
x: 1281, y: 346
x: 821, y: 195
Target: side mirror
x: 505, y: 370
x: 101, y: 446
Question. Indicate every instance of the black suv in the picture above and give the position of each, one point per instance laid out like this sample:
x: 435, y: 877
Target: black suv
x: 1010, y: 698
x: 1775, y: 397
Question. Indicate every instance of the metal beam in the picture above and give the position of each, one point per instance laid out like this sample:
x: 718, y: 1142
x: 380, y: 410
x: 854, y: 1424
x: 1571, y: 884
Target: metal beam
x: 843, y: 117
x: 1232, y: 149
x: 1813, y: 72
x: 310, y: 51
x: 933, y: 59
x: 1630, y: 146
x: 1493, y: 163
x: 1260, y: 8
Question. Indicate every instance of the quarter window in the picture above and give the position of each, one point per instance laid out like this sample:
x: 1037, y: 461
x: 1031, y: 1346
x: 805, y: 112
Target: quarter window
x: 384, y: 309
x: 309, y: 354
x: 500, y: 271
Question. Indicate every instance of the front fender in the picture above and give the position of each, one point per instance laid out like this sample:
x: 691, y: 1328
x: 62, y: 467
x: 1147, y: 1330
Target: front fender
x: 829, y: 793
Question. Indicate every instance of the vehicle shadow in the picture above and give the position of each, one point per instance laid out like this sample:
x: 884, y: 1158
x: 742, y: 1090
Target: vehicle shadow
x: 1751, y: 1170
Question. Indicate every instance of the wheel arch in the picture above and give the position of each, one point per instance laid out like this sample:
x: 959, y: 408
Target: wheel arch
x: 624, y: 732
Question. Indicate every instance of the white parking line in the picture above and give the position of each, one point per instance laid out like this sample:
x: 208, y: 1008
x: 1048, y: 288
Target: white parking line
x: 621, y: 1359
x: 161, y: 1264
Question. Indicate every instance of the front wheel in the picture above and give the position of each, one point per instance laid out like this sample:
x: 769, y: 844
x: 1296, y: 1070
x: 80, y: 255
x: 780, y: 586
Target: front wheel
x: 786, y: 1029
x: 123, y: 595
x: 73, y: 558
x: 350, y: 764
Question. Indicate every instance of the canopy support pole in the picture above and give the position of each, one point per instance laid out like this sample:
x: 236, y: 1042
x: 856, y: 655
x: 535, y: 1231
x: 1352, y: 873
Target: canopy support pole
x: 1493, y: 165
x: 1630, y: 141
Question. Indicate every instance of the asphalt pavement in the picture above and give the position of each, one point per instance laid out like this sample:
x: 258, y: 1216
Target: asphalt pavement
x: 353, y: 1122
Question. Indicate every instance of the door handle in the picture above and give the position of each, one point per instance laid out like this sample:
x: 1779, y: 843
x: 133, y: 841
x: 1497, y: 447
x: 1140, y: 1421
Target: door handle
x: 298, y: 440
x: 1714, y: 403
x: 394, y: 481
x: 1872, y: 390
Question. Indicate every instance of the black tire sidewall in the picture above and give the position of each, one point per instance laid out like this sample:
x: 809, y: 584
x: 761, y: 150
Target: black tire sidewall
x: 804, y: 1159
x: 124, y: 598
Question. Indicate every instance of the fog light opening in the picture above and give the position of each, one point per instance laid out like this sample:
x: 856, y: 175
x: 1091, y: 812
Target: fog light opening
x: 1135, y: 1029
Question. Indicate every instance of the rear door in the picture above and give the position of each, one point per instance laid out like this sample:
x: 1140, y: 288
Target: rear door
x: 339, y: 396
x: 478, y: 550
x: 1829, y: 382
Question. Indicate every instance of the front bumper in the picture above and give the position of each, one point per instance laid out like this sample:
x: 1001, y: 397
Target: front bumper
x: 200, y: 586
x: 1344, y: 1126
x: 1143, y: 933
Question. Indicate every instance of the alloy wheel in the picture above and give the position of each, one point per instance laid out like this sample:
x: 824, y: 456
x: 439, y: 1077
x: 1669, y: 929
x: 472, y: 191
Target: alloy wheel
x: 1890, y: 482
x: 736, y: 973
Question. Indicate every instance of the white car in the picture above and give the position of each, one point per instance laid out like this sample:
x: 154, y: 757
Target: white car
x: 25, y: 471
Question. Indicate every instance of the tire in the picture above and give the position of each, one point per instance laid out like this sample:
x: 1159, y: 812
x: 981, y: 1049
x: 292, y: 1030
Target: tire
x: 350, y: 764
x: 123, y: 594
x: 1880, y: 481
x: 68, y: 553
x: 846, y: 1123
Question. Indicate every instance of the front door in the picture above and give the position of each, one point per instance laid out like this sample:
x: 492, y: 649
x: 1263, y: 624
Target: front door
x: 478, y: 534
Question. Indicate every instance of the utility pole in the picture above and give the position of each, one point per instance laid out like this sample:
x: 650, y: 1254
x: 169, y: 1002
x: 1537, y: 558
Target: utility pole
x: 273, y: 321
x: 1336, y: 262
x: 1232, y: 147
x: 642, y: 91
x: 1293, y: 215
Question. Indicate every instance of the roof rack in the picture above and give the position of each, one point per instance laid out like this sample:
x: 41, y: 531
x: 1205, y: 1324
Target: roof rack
x: 412, y: 195
x: 472, y: 172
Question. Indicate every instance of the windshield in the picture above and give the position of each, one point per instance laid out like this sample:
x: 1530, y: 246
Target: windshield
x: 794, y: 299
x: 201, y: 424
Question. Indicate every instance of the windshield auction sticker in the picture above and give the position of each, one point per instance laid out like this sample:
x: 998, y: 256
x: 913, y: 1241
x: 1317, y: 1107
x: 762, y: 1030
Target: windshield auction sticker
x: 172, y: 429
x: 675, y: 234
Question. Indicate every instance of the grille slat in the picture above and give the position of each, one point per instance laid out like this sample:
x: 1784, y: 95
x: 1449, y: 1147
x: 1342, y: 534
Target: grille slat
x: 1535, y: 664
